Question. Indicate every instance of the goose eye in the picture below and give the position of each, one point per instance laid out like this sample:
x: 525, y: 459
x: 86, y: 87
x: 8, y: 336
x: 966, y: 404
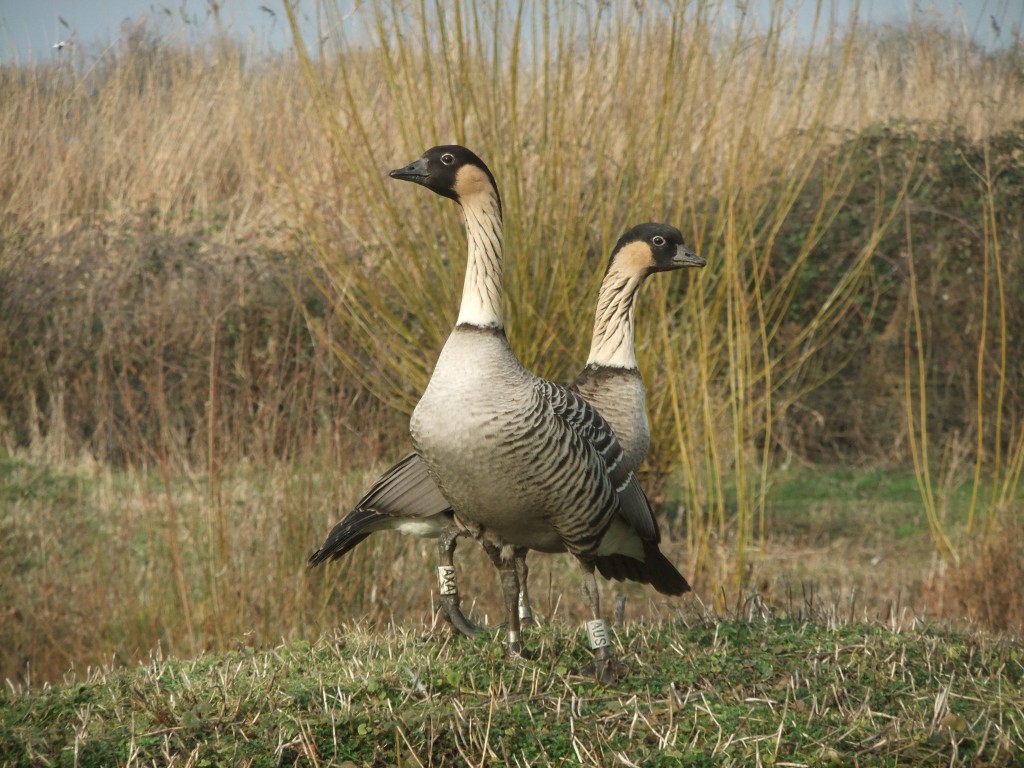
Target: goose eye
x: 658, y: 241
x: 447, y: 158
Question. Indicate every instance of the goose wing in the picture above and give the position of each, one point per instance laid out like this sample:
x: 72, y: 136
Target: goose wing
x: 405, y: 498
x: 406, y: 490
x: 585, y: 420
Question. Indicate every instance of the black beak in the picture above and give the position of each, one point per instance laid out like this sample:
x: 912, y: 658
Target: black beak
x: 416, y: 171
x: 685, y: 257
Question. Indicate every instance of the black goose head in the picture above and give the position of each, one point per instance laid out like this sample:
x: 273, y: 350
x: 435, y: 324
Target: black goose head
x: 652, y: 247
x: 451, y: 171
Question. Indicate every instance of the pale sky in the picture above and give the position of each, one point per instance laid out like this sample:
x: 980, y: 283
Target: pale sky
x: 29, y: 28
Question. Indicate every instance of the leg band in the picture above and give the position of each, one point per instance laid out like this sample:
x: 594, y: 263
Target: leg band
x: 524, y: 606
x: 597, y: 633
x: 446, y: 580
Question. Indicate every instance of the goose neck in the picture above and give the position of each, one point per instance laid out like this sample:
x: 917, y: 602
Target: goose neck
x: 612, y: 344
x: 482, y: 289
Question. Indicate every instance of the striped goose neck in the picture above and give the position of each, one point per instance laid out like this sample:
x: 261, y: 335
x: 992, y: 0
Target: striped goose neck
x: 612, y: 344
x: 481, y: 291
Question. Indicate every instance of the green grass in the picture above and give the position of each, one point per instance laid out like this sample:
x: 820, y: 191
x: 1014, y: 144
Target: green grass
x: 21, y: 481
x: 825, y: 503
x: 695, y: 692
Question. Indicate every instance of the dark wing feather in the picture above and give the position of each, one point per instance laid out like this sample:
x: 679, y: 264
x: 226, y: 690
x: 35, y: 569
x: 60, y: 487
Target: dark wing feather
x: 406, y: 490
x: 586, y: 421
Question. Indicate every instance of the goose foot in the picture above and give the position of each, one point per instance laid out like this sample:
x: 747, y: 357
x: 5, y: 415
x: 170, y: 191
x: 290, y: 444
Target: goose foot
x: 516, y: 650
x: 605, y: 668
x: 453, y: 614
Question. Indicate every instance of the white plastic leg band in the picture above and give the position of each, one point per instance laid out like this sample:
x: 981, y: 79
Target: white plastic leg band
x: 446, y: 580
x: 597, y: 633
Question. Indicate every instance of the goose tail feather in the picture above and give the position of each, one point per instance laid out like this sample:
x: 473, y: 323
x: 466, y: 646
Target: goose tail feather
x: 357, y: 525
x: 655, y: 570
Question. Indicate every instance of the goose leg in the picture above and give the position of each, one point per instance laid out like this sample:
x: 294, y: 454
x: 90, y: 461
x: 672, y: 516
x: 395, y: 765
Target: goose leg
x: 604, y: 663
x: 510, y: 591
x: 449, y: 589
x: 523, y: 572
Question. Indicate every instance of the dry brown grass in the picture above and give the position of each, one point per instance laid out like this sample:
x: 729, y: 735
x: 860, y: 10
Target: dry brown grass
x: 161, y: 210
x: 89, y: 576
x: 149, y: 127
x: 984, y: 587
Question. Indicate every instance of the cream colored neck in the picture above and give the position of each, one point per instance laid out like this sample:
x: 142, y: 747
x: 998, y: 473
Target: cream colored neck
x: 612, y: 344
x: 481, y: 291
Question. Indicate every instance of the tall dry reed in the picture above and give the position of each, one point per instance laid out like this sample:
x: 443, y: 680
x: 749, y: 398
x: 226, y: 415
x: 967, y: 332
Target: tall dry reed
x: 595, y: 117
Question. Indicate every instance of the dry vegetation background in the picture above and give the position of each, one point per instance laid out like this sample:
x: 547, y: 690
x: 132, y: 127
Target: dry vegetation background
x: 215, y: 311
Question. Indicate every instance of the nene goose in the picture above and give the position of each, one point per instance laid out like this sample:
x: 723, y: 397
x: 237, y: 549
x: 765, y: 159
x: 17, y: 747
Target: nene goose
x: 524, y: 463
x: 407, y: 500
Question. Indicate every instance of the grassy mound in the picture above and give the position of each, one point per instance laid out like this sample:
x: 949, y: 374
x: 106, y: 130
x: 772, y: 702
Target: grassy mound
x: 701, y: 692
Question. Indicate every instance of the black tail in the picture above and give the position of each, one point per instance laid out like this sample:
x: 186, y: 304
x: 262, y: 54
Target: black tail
x: 655, y: 570
x: 357, y: 525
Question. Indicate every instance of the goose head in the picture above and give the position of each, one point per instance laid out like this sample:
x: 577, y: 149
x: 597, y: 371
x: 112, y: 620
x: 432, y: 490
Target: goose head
x: 451, y: 171
x: 649, y: 248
